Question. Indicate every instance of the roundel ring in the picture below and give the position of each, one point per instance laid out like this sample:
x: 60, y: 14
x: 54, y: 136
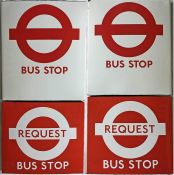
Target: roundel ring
x: 142, y: 149
x: 66, y: 34
x: 42, y: 155
x: 150, y: 29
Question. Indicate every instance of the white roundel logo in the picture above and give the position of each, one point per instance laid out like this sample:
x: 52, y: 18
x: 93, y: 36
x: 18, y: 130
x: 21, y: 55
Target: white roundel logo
x: 108, y: 129
x: 21, y: 133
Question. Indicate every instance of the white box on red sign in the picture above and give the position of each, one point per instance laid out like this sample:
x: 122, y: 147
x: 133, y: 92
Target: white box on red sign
x: 129, y: 47
x: 43, y: 50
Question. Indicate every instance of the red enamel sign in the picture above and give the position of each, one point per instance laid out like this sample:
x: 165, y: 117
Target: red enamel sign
x: 42, y: 137
x: 134, y: 134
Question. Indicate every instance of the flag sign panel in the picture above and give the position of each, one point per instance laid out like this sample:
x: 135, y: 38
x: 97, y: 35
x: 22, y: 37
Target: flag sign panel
x: 43, y: 50
x: 44, y: 136
x: 134, y: 134
x: 130, y: 40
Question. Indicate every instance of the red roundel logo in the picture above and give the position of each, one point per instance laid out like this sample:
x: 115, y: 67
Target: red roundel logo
x: 21, y: 33
x: 150, y: 29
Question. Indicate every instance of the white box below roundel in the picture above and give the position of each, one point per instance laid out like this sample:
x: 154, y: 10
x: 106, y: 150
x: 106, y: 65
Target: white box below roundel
x: 43, y: 50
x: 129, y: 47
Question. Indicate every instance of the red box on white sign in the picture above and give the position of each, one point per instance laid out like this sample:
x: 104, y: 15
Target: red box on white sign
x: 42, y: 138
x: 130, y: 135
